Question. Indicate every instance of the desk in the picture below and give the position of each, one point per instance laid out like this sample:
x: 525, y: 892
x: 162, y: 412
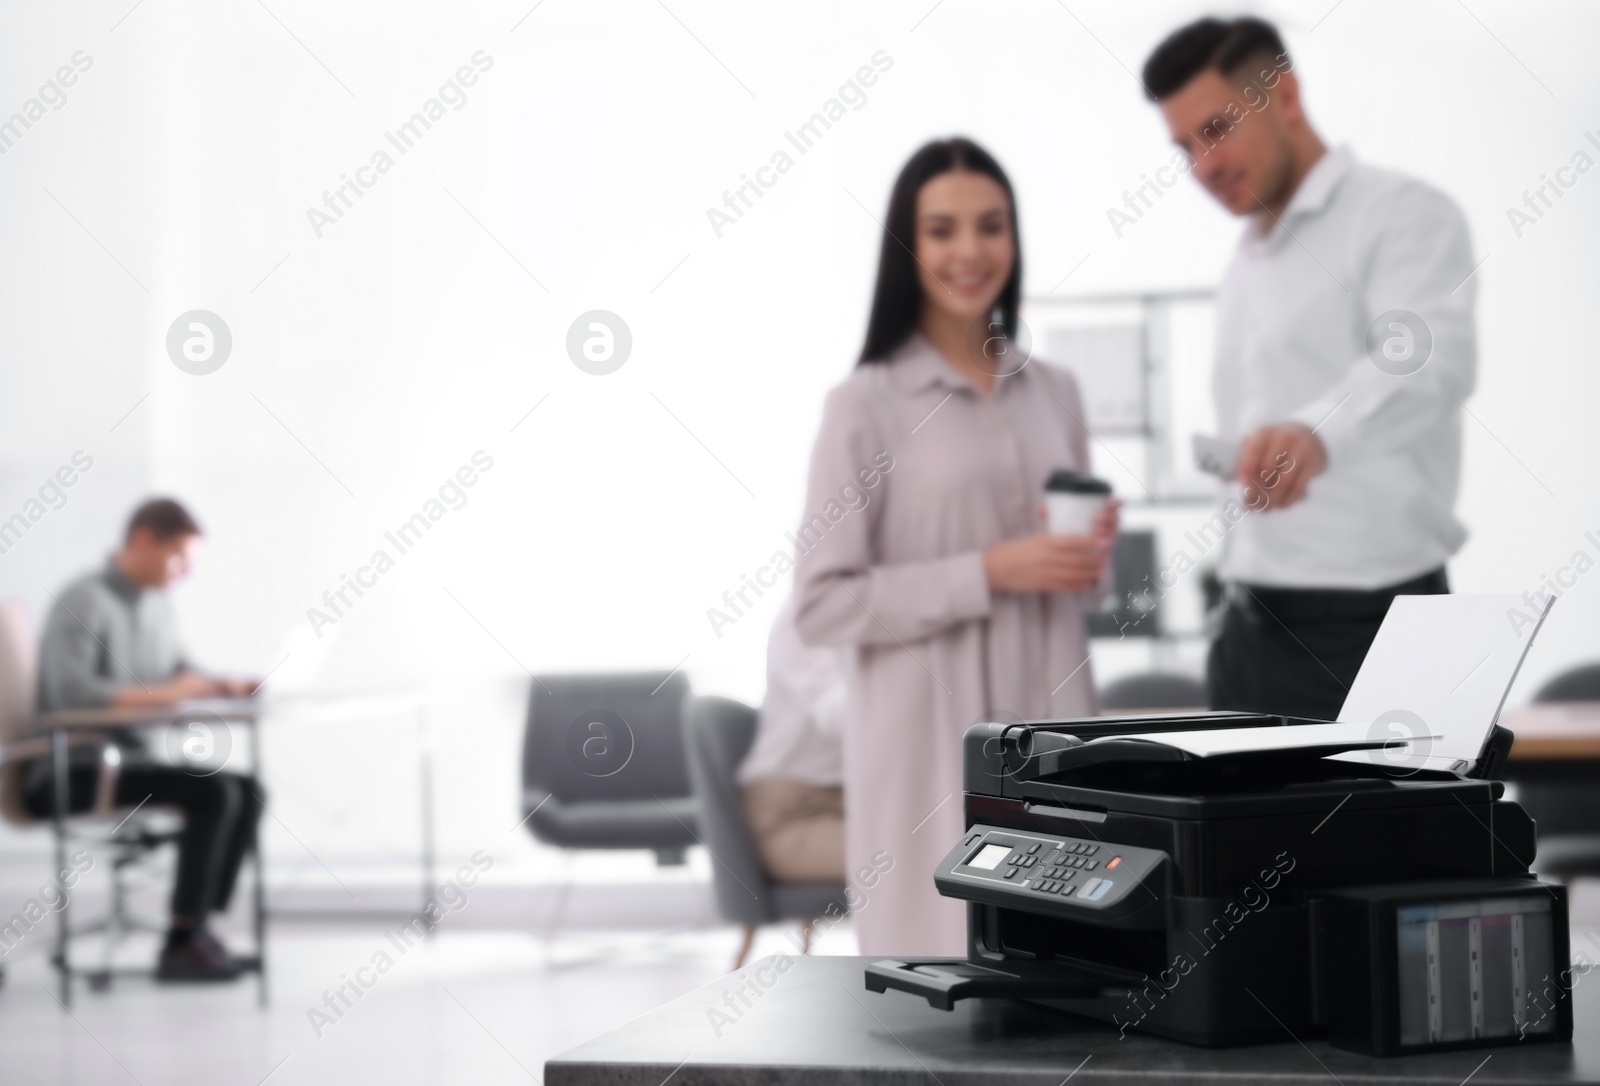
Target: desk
x: 251, y: 712
x: 232, y: 710
x: 1555, y: 766
x: 818, y: 1024
x: 1555, y: 731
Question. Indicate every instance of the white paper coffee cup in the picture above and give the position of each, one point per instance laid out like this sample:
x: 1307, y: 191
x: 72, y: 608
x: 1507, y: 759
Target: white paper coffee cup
x: 1071, y: 501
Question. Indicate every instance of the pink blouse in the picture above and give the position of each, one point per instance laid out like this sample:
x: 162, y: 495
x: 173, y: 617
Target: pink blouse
x: 899, y: 577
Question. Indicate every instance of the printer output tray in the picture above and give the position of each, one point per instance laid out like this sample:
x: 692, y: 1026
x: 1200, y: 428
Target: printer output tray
x: 945, y: 981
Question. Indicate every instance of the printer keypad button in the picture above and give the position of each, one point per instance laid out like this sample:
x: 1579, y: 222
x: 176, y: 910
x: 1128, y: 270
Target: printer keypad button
x: 1092, y: 864
x: 1091, y: 850
x: 1011, y: 873
x: 1032, y: 849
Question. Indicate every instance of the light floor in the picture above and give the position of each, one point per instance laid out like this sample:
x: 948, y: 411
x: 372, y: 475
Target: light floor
x: 466, y: 1007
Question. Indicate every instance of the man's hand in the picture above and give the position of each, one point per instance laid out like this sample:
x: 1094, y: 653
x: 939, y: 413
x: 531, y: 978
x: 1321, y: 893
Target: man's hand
x: 184, y: 686
x: 188, y: 685
x: 1279, y: 461
x: 237, y: 686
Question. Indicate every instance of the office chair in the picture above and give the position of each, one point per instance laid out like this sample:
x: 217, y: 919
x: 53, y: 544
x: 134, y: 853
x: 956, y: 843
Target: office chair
x: 129, y: 842
x: 1566, y: 812
x: 1153, y: 690
x: 718, y: 733
x: 603, y: 766
x: 1578, y: 684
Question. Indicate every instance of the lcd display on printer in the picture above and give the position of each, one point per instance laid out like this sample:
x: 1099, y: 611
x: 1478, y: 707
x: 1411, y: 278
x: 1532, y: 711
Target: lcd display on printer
x: 989, y: 857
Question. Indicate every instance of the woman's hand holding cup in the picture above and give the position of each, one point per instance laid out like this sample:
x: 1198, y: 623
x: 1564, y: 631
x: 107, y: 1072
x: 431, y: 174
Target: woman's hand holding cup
x: 1083, y: 519
x: 1046, y: 563
x: 1107, y: 522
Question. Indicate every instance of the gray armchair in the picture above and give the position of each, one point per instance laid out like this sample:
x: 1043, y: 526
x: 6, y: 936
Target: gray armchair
x: 718, y: 733
x: 602, y: 763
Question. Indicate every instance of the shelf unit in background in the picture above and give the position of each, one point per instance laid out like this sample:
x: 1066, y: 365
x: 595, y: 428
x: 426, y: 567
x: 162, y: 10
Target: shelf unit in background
x: 1143, y: 363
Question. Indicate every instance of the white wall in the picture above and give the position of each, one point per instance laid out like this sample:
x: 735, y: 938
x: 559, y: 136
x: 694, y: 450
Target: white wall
x: 377, y: 358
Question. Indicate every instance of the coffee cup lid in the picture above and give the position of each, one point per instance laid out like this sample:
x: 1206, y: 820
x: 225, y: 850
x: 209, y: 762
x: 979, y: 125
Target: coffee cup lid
x: 1072, y: 482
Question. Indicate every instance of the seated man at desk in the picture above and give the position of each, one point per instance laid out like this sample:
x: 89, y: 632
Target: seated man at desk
x: 793, y: 778
x: 111, y: 643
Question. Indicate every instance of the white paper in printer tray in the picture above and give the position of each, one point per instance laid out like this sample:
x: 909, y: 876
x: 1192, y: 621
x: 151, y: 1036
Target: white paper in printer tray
x: 1447, y: 661
x: 1220, y: 742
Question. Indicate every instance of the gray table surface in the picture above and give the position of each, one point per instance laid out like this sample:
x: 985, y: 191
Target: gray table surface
x: 817, y: 1023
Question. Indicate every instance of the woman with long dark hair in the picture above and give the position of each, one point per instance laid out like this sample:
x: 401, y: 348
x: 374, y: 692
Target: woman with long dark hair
x: 936, y: 569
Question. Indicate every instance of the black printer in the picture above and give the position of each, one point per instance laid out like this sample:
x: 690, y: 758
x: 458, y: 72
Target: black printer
x: 1249, y: 895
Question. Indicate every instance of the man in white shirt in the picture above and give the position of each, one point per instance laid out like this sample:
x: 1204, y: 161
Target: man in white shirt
x: 1345, y: 348
x: 793, y: 778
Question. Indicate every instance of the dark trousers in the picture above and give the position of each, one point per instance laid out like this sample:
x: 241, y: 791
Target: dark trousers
x: 1295, y: 652
x: 220, y: 813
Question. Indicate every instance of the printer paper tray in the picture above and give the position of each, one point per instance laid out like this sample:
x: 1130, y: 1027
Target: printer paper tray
x: 942, y: 982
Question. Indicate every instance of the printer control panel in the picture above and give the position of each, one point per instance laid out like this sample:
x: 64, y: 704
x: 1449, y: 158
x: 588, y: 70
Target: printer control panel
x: 1029, y: 870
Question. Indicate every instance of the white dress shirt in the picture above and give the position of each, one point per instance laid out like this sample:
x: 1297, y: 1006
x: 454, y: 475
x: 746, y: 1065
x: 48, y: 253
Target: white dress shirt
x: 1293, y: 312
x: 798, y: 737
